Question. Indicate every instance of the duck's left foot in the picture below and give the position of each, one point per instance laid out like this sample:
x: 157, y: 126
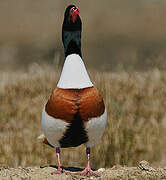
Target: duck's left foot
x: 58, y: 171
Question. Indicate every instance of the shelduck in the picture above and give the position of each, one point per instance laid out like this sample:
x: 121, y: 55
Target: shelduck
x: 75, y: 113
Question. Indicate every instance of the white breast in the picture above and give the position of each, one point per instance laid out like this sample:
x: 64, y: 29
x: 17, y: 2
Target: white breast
x: 74, y: 74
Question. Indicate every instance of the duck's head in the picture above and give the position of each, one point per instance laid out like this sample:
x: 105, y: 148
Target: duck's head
x: 71, y: 31
x: 72, y: 13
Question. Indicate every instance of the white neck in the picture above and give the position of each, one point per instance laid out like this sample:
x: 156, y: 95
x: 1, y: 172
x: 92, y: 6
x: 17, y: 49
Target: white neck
x: 74, y: 74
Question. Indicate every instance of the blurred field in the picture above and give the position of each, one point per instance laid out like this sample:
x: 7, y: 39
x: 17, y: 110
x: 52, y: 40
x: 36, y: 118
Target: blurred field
x: 135, y: 131
x: 129, y: 35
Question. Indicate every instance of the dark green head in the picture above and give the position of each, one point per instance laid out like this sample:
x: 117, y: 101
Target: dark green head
x: 71, y: 31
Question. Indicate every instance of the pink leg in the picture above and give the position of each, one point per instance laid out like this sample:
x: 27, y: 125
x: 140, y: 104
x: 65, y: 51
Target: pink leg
x: 59, y: 170
x: 88, y: 171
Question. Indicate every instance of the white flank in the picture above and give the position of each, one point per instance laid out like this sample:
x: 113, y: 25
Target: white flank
x: 53, y: 128
x: 74, y: 74
x: 95, y: 128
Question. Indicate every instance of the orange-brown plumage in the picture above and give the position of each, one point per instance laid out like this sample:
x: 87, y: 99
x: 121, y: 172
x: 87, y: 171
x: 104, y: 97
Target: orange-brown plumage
x: 91, y: 103
x: 65, y: 103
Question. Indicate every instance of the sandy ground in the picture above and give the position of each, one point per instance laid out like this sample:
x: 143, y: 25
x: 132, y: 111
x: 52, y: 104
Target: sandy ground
x: 142, y: 172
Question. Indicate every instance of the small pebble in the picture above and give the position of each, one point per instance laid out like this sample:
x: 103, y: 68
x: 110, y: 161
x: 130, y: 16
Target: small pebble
x: 101, y: 170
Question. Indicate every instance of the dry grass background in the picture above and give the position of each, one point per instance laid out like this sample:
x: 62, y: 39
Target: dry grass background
x: 136, y: 118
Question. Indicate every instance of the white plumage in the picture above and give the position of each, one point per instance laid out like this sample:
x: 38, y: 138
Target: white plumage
x: 53, y: 128
x: 95, y: 128
x: 74, y: 74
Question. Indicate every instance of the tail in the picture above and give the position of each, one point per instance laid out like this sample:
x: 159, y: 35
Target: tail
x: 44, y: 140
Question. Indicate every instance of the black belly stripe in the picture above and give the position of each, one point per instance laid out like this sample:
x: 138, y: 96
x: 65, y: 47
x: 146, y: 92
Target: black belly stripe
x: 75, y: 134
